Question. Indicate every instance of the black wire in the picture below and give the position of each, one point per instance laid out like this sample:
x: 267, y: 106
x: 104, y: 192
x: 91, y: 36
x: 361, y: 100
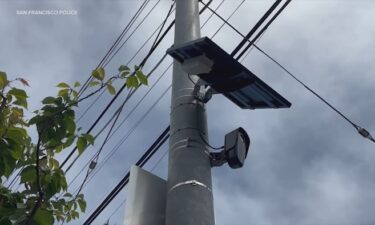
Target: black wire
x: 205, y: 22
x: 119, y: 38
x: 96, y: 157
x: 122, y: 183
x: 305, y: 86
x: 134, y: 55
x: 123, y: 87
x: 256, y: 42
x: 153, y: 168
x: 120, y: 90
x: 163, y: 24
x: 135, y: 29
x: 115, y: 131
x: 264, y: 28
x: 112, y: 152
x: 230, y: 16
x: 125, y: 101
x: 253, y: 30
x: 362, y: 131
x: 122, y: 140
x: 117, y: 209
x: 13, y: 182
x: 206, y: 143
x: 141, y: 162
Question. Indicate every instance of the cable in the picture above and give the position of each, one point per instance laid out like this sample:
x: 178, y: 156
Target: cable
x: 123, y: 87
x: 252, y: 47
x: 141, y: 162
x: 88, y: 162
x: 257, y: 25
x: 118, y: 187
x: 264, y: 28
x: 206, y: 143
x: 124, y: 201
x: 205, y: 22
x: 120, y: 90
x: 117, y: 209
x: 164, y: 21
x: 135, y: 29
x: 130, y: 94
x: 134, y: 55
x: 119, y: 38
x: 118, y: 145
x: 106, y: 63
x: 230, y: 16
x: 362, y: 131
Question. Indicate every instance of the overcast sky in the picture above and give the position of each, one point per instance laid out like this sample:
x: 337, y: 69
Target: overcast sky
x: 306, y: 164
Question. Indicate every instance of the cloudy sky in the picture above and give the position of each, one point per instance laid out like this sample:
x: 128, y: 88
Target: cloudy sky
x: 306, y: 164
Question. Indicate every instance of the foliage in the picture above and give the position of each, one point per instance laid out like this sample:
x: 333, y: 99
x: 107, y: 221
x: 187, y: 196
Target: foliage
x: 34, y: 161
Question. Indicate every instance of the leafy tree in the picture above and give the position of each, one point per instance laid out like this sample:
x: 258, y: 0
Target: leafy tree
x: 34, y: 160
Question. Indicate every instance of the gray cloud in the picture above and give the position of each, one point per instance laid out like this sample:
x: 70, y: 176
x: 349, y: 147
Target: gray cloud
x: 306, y: 165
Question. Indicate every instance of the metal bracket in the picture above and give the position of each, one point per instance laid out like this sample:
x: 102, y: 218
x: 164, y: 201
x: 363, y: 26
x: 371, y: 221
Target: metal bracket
x: 202, y: 91
x: 217, y: 158
x: 191, y: 182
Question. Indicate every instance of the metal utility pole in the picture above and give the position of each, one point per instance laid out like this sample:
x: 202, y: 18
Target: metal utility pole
x: 189, y: 192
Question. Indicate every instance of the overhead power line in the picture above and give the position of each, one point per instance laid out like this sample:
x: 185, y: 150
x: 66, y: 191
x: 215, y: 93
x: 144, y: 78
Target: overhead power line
x: 120, y: 90
x: 123, y: 202
x: 114, y: 192
x: 141, y: 162
x: 154, y: 45
x: 362, y: 131
x: 135, y: 29
x: 118, y: 145
x: 127, y: 63
x: 114, y: 45
x: 230, y: 16
x: 260, y: 33
x: 255, y: 28
x: 126, y: 136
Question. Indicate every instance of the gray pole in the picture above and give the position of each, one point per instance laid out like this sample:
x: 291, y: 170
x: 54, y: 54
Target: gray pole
x: 189, y: 197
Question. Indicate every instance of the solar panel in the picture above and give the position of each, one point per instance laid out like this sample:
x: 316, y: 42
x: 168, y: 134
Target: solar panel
x: 227, y: 76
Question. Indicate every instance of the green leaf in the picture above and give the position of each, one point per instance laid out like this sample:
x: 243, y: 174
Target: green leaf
x: 62, y: 92
x: 7, y: 164
x: 81, y: 144
x: 69, y: 141
x: 132, y: 82
x: 68, y: 195
x: 21, y: 102
x: 3, y: 79
x: 94, y: 83
x: 82, y: 204
x: 55, y: 163
x: 141, y: 77
x: 43, y: 217
x: 49, y: 100
x: 63, y: 85
x: 28, y: 174
x: 74, y: 214
x: 111, y: 89
x: 18, y: 93
x: 124, y: 71
x: 98, y: 73
x: 77, y: 84
x: 123, y: 68
x: 89, y: 138
x: 70, y: 125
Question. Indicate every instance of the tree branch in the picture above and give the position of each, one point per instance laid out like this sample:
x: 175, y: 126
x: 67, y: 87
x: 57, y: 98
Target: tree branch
x: 40, y: 191
x: 3, y: 102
